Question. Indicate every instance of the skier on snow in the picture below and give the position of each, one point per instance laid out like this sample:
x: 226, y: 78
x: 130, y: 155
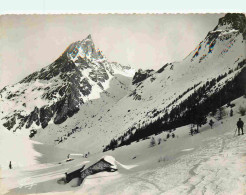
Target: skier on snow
x: 240, y: 126
x: 10, y: 165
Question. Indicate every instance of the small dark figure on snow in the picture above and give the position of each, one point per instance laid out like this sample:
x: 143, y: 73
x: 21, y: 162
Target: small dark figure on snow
x: 168, y: 135
x: 173, y: 135
x: 159, y: 141
x: 231, y: 113
x: 240, y: 126
x: 191, y: 132
x: 10, y: 165
x: 211, y: 123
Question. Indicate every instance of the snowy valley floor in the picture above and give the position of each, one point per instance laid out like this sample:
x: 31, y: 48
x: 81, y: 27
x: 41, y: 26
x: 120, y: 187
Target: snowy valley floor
x: 211, y: 162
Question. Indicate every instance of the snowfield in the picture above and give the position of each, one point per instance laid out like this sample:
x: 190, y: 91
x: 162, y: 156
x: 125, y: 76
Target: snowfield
x: 18, y: 149
x: 211, y: 162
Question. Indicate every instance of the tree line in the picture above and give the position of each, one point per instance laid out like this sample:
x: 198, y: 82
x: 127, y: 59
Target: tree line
x: 193, y: 110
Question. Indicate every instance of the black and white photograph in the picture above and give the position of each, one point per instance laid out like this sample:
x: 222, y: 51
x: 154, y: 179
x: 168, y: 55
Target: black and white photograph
x: 125, y: 104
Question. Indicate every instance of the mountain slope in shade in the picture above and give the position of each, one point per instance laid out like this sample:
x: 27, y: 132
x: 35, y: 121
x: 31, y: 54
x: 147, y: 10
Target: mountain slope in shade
x: 220, y: 57
x: 57, y: 91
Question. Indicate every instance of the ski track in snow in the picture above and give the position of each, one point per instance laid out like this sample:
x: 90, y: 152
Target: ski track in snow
x: 151, y: 183
x: 205, y: 175
x: 200, y: 181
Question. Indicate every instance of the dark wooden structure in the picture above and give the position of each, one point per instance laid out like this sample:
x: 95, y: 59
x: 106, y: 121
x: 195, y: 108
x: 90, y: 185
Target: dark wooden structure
x: 100, y: 166
x: 73, y: 174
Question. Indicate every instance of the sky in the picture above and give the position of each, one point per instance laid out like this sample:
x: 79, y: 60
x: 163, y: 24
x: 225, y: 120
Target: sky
x: 148, y: 41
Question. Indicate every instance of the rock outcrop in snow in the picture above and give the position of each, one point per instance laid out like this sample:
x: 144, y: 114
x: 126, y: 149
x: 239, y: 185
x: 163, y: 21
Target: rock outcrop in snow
x: 233, y: 21
x: 141, y: 75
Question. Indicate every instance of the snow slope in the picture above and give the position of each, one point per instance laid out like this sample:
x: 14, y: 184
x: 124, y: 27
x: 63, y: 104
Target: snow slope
x: 211, y: 162
x: 17, y: 149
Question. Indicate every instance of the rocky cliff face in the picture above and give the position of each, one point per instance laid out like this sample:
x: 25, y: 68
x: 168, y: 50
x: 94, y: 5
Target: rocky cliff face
x: 233, y: 21
x: 56, y: 92
x: 141, y: 75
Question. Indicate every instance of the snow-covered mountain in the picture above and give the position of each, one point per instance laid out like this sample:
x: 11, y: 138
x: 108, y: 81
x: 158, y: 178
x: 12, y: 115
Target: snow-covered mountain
x: 222, y: 52
x: 113, y: 110
x: 155, y: 99
x: 56, y: 92
x: 210, y: 76
x: 214, y: 68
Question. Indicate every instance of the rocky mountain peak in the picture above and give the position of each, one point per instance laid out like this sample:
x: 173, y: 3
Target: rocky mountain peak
x: 236, y: 21
x: 84, y: 49
x: 89, y: 37
x: 230, y: 29
x: 57, y: 91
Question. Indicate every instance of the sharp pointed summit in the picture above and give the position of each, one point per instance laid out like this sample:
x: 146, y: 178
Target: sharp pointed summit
x: 89, y: 36
x: 57, y: 91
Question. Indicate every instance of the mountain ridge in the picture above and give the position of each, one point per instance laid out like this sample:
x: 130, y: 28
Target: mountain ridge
x: 81, y: 73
